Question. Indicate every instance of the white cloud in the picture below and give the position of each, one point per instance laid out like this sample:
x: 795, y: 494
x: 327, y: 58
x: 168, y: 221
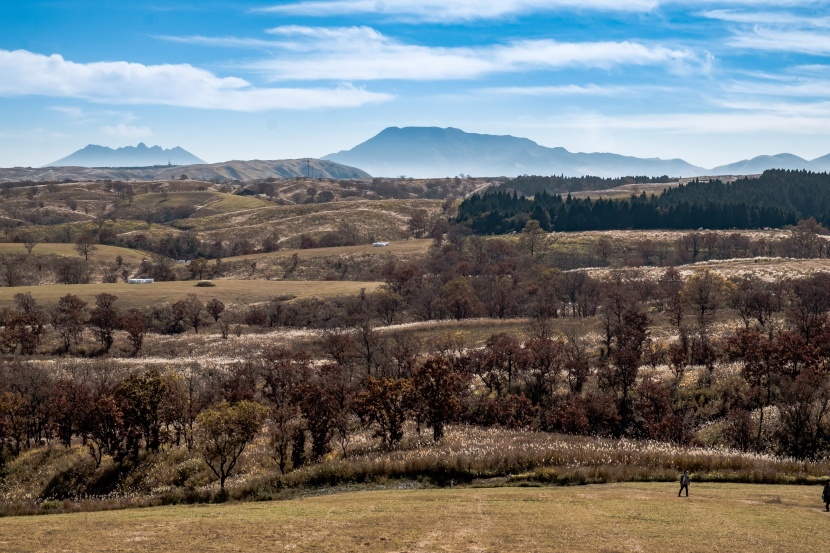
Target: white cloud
x: 362, y: 53
x: 564, y: 90
x: 746, y: 118
x: 126, y: 131
x: 70, y: 111
x: 451, y: 10
x: 761, y: 38
x: 785, y: 86
x: 26, y: 73
x: 767, y: 18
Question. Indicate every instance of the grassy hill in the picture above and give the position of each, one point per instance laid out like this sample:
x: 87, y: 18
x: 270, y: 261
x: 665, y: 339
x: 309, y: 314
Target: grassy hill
x: 100, y: 254
x: 611, y: 517
x: 371, y: 220
x: 206, y: 203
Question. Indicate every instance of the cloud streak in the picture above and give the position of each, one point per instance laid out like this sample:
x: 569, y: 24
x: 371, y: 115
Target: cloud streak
x: 574, y: 90
x: 443, y: 11
x: 744, y: 118
x: 126, y: 131
x: 774, y: 40
x: 26, y: 73
x: 364, y: 54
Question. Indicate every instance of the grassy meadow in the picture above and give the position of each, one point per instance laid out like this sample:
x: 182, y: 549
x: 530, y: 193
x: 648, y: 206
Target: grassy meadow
x: 227, y: 291
x: 608, y: 517
x: 207, y: 203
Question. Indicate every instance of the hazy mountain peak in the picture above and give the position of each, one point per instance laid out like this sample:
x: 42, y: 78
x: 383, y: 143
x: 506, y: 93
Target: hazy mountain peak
x: 141, y: 155
x: 438, y: 152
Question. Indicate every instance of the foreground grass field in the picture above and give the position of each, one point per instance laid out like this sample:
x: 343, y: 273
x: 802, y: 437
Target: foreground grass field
x: 610, y: 517
x: 228, y: 291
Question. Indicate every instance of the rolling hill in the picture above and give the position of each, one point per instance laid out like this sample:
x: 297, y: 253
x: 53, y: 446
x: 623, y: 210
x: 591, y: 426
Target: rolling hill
x: 225, y: 171
x: 760, y: 164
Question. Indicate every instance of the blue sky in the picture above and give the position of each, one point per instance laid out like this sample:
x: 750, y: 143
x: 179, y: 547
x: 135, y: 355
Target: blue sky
x: 711, y: 82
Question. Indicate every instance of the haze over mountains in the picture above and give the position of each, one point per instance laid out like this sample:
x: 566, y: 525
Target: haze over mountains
x: 437, y: 152
x: 128, y: 156
x: 421, y: 152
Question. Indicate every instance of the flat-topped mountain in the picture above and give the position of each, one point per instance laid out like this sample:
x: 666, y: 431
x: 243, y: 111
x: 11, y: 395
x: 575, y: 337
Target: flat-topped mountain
x: 128, y: 156
x: 437, y: 152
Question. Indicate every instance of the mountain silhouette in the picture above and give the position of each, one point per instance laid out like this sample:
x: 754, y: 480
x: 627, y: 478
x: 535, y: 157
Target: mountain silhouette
x: 128, y: 156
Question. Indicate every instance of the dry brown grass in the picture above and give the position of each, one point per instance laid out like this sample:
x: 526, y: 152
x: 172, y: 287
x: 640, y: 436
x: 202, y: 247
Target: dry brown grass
x: 382, y: 220
x: 613, y: 517
x: 228, y: 291
x: 207, y: 203
x: 766, y: 268
x: 400, y: 247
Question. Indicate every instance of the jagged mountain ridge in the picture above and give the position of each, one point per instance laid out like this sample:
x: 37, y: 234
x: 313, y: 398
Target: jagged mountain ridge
x: 93, y: 155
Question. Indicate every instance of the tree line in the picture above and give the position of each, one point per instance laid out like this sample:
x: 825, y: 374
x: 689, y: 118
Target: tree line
x: 775, y: 199
x: 530, y: 185
x: 309, y: 404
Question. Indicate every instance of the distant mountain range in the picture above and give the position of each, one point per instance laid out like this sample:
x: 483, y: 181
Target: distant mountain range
x: 781, y: 161
x: 128, y: 156
x: 438, y: 152
x: 229, y: 170
x: 421, y: 152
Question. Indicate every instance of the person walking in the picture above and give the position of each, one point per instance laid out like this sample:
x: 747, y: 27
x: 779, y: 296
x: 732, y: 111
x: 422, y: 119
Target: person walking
x: 684, y: 483
x: 825, y: 495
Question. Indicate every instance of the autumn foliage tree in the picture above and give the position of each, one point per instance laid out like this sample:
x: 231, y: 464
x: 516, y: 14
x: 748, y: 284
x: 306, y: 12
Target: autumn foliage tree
x: 222, y: 433
x: 441, y: 390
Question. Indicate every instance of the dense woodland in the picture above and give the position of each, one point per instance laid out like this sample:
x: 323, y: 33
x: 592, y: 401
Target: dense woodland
x: 776, y: 199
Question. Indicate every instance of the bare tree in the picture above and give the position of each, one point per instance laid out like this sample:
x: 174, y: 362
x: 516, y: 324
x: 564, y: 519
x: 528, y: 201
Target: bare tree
x: 85, y: 245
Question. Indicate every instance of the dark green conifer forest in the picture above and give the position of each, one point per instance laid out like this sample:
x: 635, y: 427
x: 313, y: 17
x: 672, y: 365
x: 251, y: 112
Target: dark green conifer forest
x: 775, y: 199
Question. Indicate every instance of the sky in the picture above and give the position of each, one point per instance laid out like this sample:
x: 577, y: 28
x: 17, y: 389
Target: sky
x: 707, y: 81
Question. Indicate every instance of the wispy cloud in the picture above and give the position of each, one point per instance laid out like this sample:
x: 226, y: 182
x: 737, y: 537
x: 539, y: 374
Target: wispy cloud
x: 225, y: 42
x: 567, y: 90
x: 362, y: 54
x: 70, y: 111
x: 805, y: 119
x: 26, y: 73
x: 126, y: 131
x: 444, y: 11
x: 786, y: 87
x: 805, y: 42
x: 460, y: 11
x: 768, y: 18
